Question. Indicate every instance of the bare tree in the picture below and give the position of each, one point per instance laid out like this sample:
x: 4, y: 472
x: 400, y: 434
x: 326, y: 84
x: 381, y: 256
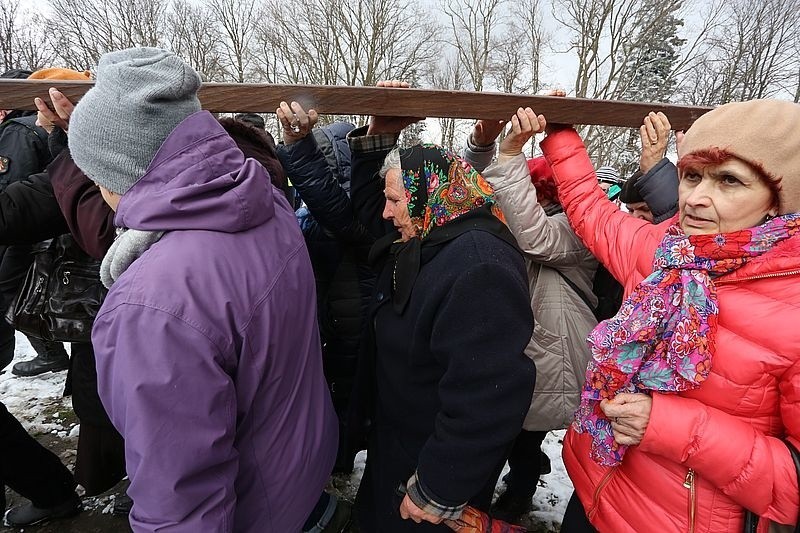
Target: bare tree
x: 473, y: 26
x: 358, y: 42
x: 607, y: 34
x: 752, y: 53
x: 33, y: 47
x: 625, y: 49
x: 449, y: 74
x: 85, y: 29
x: 238, y: 20
x: 797, y: 78
x: 533, y: 38
x: 23, y: 43
x: 507, y: 67
x: 195, y: 37
x: 8, y: 29
x: 304, y: 57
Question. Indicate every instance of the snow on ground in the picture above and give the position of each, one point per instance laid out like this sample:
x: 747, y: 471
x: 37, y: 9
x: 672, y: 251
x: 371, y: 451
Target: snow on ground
x: 38, y: 404
x: 549, y: 502
x: 555, y: 488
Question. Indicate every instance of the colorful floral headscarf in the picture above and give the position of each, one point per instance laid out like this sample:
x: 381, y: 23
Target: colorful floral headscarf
x: 446, y: 198
x: 441, y: 187
x: 663, y: 336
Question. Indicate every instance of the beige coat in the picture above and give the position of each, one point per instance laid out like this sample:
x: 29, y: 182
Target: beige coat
x: 562, y: 320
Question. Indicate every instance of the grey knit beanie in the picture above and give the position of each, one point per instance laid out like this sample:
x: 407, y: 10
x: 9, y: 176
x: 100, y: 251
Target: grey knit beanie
x: 139, y: 97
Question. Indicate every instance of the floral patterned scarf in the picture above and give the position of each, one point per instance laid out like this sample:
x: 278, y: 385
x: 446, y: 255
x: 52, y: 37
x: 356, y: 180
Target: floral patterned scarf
x: 662, y: 338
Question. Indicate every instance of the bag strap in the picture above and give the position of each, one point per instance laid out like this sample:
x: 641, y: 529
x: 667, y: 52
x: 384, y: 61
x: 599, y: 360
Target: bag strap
x: 751, y: 519
x: 796, y: 458
x: 577, y: 291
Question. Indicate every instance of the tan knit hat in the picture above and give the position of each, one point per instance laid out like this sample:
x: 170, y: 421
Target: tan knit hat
x: 766, y: 132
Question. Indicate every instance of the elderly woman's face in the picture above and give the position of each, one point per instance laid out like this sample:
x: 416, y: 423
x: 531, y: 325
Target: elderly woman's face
x: 396, y: 209
x: 723, y: 198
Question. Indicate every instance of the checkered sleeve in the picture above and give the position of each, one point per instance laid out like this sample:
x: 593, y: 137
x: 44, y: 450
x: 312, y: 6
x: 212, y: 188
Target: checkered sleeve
x: 423, y: 499
x: 359, y: 141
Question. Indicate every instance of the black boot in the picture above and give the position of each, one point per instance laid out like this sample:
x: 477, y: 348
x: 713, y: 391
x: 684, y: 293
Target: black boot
x: 526, y: 462
x: 51, y: 358
x: 27, y: 514
x: 122, y: 505
x: 511, y: 505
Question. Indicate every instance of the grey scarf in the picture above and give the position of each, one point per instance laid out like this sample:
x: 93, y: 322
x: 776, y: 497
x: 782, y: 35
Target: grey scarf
x: 127, y: 247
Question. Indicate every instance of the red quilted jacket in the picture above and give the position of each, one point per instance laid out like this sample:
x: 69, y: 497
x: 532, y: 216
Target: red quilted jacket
x: 709, y: 453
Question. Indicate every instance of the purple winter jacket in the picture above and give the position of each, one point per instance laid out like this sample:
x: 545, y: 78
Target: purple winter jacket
x: 208, y: 355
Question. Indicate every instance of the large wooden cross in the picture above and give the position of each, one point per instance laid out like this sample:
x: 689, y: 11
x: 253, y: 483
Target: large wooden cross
x: 345, y: 100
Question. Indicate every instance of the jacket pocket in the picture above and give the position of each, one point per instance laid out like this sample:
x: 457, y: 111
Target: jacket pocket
x: 551, y: 407
x: 547, y: 351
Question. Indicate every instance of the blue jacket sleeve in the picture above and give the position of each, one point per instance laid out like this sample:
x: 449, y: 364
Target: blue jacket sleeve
x: 327, y: 201
x: 659, y: 190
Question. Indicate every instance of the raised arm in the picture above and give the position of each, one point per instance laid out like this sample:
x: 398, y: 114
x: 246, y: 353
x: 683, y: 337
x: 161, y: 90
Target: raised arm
x: 307, y: 167
x: 543, y: 238
x: 620, y: 242
x: 658, y: 185
x: 369, y: 146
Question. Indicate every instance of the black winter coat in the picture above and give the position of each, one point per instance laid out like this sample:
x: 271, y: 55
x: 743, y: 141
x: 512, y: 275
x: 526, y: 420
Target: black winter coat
x: 59, y: 200
x: 338, y: 246
x: 451, y: 380
x: 29, y: 212
x: 23, y: 150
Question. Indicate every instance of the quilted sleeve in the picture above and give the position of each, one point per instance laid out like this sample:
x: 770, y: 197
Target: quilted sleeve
x: 617, y: 240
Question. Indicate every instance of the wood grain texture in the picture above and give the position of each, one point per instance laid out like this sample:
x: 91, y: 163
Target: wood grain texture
x: 264, y: 98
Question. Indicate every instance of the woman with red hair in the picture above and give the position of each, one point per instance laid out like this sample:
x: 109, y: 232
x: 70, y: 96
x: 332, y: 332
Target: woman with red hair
x: 691, y: 401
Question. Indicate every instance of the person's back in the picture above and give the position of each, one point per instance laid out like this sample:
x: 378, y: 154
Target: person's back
x: 207, y: 348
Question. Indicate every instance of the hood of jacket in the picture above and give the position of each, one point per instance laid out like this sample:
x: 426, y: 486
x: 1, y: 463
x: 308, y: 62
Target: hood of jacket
x: 199, y: 180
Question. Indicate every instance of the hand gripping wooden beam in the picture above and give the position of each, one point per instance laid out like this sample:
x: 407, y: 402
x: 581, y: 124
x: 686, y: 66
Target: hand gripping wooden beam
x: 384, y: 101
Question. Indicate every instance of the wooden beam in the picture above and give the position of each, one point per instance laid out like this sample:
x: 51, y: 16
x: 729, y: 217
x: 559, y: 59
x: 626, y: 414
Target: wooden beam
x: 345, y: 100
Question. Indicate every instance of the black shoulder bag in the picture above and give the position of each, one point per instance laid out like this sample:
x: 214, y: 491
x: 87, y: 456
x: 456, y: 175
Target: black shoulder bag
x: 61, y: 294
x: 751, y: 519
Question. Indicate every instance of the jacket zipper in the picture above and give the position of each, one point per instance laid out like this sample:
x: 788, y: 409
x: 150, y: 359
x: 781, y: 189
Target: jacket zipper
x: 689, y: 484
x: 762, y: 276
x: 596, y: 496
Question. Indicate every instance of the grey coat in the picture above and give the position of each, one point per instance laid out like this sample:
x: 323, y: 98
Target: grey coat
x: 562, y: 319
